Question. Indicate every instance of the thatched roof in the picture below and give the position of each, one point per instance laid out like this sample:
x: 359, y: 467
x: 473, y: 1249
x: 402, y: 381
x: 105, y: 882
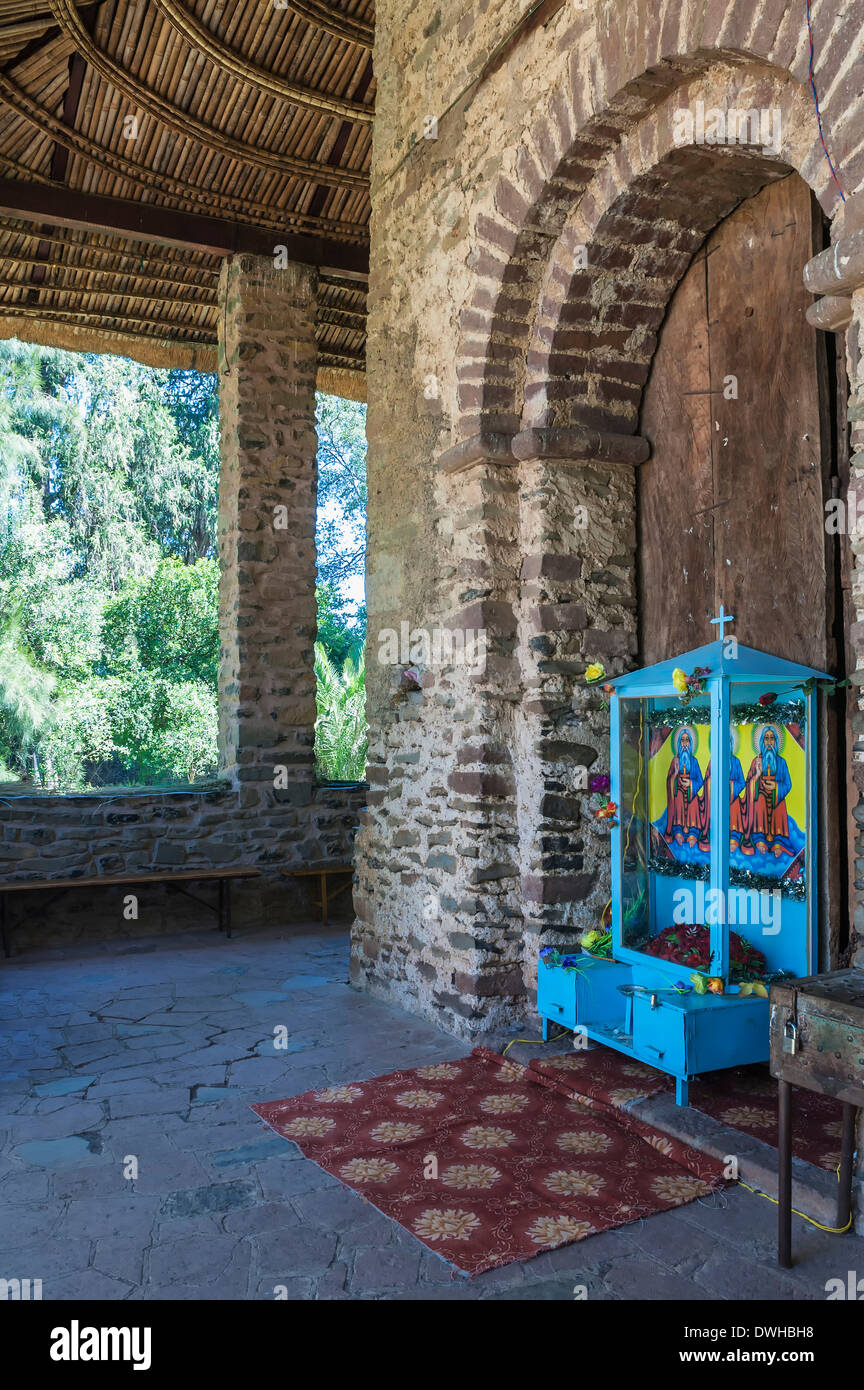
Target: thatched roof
x: 141, y: 140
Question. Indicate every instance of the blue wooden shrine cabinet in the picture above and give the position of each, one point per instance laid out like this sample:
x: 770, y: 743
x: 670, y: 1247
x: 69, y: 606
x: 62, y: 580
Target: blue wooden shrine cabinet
x: 713, y: 862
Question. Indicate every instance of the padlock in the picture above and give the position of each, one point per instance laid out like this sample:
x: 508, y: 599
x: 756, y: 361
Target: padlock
x: 790, y: 1037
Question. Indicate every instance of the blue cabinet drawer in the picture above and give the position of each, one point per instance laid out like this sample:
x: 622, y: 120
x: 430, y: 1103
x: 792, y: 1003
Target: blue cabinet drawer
x: 556, y: 994
x: 660, y: 1035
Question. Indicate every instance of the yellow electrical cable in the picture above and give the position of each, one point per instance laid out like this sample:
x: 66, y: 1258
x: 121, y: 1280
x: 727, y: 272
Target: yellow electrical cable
x: 536, y: 1041
x: 832, y: 1230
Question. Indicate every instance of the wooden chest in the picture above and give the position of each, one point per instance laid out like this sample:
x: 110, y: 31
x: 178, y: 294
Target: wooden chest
x: 817, y: 1034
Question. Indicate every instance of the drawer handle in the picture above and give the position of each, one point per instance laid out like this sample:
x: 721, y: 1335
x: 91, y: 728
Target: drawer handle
x: 658, y: 1050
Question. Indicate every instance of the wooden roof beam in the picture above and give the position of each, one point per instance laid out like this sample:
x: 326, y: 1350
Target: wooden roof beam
x: 147, y: 179
x: 231, y: 60
x: 214, y: 236
x: 341, y: 26
x: 183, y: 123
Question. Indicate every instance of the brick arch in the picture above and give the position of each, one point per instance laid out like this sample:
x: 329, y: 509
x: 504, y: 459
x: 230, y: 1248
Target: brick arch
x: 568, y: 154
x: 629, y: 240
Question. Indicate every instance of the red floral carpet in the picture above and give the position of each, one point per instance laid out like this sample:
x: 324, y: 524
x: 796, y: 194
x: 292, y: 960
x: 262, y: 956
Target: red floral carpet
x: 744, y: 1098
x: 521, y: 1166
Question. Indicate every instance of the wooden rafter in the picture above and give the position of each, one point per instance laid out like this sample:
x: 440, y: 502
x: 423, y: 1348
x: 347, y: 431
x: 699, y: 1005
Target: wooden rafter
x: 213, y: 236
x: 13, y: 309
x: 196, y: 296
x: 341, y: 26
x: 183, y: 123
x: 86, y: 253
x: 230, y: 60
x: 258, y: 214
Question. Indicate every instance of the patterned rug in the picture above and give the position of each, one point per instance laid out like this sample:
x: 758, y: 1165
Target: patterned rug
x: 744, y: 1098
x: 486, y: 1161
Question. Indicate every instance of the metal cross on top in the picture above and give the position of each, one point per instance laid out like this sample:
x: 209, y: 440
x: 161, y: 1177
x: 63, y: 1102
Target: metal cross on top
x: 722, y: 619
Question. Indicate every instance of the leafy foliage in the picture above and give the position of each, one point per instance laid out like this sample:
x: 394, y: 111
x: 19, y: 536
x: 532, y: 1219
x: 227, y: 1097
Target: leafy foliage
x: 340, y: 533
x: 341, y: 742
x: 109, y: 638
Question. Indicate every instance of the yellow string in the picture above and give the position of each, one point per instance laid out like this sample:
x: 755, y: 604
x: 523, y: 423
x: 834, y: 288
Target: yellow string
x: 832, y: 1230
x: 533, y: 1040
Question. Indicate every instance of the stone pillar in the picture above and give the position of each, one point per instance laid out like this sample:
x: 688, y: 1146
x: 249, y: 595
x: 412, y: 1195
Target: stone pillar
x: 267, y: 495
x: 577, y: 606
x: 838, y: 275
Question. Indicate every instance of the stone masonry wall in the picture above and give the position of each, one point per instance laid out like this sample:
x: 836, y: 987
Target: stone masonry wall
x: 522, y: 261
x: 266, y: 811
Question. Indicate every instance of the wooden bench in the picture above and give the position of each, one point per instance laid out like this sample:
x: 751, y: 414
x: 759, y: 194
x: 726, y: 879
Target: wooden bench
x: 173, y: 877
x: 322, y: 874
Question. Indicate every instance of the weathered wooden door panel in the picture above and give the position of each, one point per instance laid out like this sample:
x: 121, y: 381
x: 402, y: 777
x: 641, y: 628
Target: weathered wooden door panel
x: 676, y: 488
x: 731, y: 502
x: 770, y: 544
x: 744, y: 447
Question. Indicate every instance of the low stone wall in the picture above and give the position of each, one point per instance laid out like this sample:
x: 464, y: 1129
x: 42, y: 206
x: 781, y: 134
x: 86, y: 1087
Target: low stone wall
x: 47, y: 837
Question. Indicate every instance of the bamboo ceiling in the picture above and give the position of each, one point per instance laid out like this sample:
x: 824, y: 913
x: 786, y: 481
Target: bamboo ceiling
x: 118, y: 119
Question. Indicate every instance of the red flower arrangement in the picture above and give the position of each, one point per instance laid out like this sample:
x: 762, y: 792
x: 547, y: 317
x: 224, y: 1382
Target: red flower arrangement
x: 691, y: 946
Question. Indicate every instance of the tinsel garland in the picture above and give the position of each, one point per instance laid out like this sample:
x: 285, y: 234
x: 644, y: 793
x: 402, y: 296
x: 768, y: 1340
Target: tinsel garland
x: 787, y: 712
x: 738, y: 878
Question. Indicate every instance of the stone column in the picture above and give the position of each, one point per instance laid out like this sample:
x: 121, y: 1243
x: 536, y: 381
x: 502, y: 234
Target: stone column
x: 577, y: 606
x: 838, y: 275
x: 267, y: 495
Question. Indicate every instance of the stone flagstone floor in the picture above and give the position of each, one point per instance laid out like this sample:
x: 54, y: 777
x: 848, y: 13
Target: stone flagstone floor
x: 155, y: 1051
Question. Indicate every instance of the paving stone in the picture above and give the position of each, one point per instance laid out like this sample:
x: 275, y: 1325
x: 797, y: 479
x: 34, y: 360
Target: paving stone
x: 735, y: 1277
x: 221, y: 1197
x: 557, y: 1290
x: 635, y: 1277
x: 284, y: 1180
x: 290, y: 1251
x: 130, y: 1105
x: 45, y: 1259
x: 121, y: 1257
x: 48, y: 1153
x: 339, y: 1209
x: 247, y: 1153
x: 23, y: 1224
x: 86, y: 1284
x: 257, y: 1071
x: 255, y: 1220
x: 379, y: 1269
x: 291, y: 1290
x: 197, y: 1260
x: 123, y: 1215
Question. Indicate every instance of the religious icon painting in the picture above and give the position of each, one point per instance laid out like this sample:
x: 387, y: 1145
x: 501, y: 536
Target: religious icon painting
x: 679, y: 779
x: 768, y: 791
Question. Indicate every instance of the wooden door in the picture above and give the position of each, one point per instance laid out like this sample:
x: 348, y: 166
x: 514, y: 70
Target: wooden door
x: 741, y: 413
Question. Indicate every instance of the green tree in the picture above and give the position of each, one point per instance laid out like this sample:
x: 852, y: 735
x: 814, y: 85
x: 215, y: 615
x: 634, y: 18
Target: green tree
x: 341, y: 740
x: 168, y: 622
x: 340, y: 532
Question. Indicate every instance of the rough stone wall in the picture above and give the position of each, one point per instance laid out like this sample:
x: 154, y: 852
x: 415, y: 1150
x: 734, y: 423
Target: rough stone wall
x: 522, y: 262
x: 257, y: 816
x: 855, y: 367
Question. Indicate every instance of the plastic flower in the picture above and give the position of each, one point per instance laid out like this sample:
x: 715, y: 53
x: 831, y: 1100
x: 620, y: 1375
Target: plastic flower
x: 607, y: 811
x: 608, y: 689
x: 599, y: 782
x: 768, y: 698
x: 595, y: 672
x: 679, y: 680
